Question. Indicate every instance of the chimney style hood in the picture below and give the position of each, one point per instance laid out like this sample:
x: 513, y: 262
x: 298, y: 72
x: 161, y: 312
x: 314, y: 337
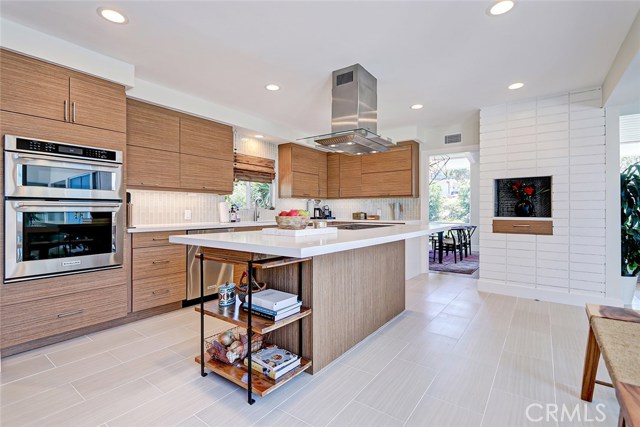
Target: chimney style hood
x: 354, y: 114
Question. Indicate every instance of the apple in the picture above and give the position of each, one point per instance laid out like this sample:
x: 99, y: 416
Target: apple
x: 283, y: 213
x: 294, y: 212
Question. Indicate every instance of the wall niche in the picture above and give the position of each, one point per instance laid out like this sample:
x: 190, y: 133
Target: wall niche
x: 527, y: 197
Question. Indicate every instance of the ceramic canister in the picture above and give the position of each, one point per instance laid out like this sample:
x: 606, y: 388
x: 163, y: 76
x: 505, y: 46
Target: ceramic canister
x: 227, y: 294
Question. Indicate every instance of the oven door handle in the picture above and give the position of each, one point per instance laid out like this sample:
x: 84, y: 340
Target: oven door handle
x: 59, y: 162
x: 21, y: 206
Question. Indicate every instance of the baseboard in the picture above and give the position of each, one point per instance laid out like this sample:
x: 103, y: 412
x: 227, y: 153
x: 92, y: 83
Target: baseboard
x: 560, y: 297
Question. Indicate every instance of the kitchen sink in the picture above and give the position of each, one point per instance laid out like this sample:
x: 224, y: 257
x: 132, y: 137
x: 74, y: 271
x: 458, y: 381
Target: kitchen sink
x: 361, y: 226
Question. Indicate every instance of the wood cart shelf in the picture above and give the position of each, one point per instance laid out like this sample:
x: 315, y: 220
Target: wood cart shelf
x: 261, y: 384
x: 234, y: 314
x: 255, y: 383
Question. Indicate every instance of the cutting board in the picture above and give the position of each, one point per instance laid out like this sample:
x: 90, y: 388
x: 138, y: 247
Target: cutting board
x: 305, y: 232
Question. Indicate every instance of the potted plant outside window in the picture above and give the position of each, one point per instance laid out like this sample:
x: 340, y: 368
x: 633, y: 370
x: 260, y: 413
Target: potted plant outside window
x: 630, y: 230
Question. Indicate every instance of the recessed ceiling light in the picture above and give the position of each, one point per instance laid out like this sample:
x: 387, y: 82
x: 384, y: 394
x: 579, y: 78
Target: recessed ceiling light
x: 514, y: 86
x: 272, y: 87
x: 259, y: 136
x: 500, y: 7
x: 417, y: 106
x: 112, y: 15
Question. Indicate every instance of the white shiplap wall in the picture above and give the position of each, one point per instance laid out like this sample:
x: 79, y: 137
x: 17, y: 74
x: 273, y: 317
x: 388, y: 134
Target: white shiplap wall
x: 562, y: 136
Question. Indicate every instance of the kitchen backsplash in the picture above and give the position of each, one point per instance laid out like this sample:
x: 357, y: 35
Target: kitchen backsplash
x: 167, y: 207
x: 343, y: 208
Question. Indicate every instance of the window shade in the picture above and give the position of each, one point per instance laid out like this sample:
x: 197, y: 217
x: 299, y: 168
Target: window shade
x: 253, y: 169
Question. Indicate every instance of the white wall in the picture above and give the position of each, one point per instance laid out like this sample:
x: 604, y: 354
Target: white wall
x: 562, y: 136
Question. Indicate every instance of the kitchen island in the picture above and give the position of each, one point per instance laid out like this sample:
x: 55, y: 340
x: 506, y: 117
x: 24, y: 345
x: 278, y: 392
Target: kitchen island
x: 352, y: 281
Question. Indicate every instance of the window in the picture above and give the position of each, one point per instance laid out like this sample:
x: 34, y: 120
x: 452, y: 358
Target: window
x: 449, y: 189
x: 246, y: 193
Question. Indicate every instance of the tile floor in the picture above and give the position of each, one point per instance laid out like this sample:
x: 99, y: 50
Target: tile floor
x: 454, y: 358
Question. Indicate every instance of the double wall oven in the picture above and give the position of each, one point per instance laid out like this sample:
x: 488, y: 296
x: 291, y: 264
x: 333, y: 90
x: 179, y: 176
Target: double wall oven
x: 63, y: 208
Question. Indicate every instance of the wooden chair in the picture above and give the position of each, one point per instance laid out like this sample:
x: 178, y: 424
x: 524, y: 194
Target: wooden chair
x: 454, y: 242
x: 469, y: 230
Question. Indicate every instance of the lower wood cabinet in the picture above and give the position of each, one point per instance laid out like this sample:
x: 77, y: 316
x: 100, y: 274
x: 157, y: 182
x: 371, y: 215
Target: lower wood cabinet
x: 523, y: 226
x: 159, y: 270
x: 160, y: 290
x: 27, y: 321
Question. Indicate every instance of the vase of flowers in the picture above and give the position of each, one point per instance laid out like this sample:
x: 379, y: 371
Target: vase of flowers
x: 524, y: 192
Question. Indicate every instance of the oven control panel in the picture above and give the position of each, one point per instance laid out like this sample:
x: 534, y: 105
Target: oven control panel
x: 65, y: 149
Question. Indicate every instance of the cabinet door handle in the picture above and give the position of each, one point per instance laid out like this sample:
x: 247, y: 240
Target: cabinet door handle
x: 210, y: 188
x: 521, y: 225
x: 73, y: 112
x: 154, y: 185
x: 66, y: 111
x: 70, y: 313
x: 164, y: 261
x: 159, y: 239
x: 160, y: 292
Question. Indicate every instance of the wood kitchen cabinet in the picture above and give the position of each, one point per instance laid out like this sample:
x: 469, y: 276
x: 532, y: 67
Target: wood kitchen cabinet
x: 333, y: 175
x: 33, y: 87
x: 199, y: 173
x: 302, y: 172
x: 199, y: 137
x: 168, y: 150
x: 351, y: 176
x: 159, y: 270
x: 394, y: 173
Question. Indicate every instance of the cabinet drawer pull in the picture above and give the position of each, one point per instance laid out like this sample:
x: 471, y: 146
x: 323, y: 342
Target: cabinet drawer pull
x: 70, y: 313
x: 164, y: 261
x: 521, y: 225
x: 73, y: 112
x: 211, y: 188
x: 150, y: 184
x: 66, y: 111
x: 158, y: 239
x: 160, y: 292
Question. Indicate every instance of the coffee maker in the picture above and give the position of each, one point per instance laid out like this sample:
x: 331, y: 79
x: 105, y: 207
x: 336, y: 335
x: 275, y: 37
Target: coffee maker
x: 313, y: 206
x: 326, y: 212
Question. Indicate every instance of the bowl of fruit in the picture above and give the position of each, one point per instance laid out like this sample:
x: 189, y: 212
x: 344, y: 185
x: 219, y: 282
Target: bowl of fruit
x: 295, y: 219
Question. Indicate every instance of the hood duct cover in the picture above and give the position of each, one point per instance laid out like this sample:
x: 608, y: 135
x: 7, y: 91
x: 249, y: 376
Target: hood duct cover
x: 354, y: 114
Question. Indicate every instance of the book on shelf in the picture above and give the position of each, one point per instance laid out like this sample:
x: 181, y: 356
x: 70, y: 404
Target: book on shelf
x: 273, y: 361
x: 272, y: 299
x: 281, y: 314
x: 272, y: 312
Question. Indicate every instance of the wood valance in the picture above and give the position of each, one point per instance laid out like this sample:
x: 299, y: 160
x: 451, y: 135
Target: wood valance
x: 253, y: 169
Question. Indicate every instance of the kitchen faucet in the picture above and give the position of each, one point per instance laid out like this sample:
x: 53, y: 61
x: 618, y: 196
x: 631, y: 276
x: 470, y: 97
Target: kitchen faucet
x: 256, y: 210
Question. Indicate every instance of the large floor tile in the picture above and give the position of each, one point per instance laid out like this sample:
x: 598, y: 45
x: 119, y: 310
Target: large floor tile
x: 39, y: 406
x: 448, y: 325
x: 462, y: 308
x: 373, y: 354
x: 177, y: 405
x: 603, y: 411
x: 508, y: 410
x: 358, y: 415
x: 192, y: 422
x: 529, y: 343
x: 148, y: 345
x: 526, y: 376
x: 405, y: 325
x: 51, y: 348
x: 15, y: 369
x: 100, y: 342
x: 439, y: 413
x: 327, y: 395
x: 101, y: 382
x: 532, y: 306
x: 398, y: 389
x: 464, y: 382
x: 530, y: 320
x: 278, y: 418
x: 429, y: 350
x: 29, y: 386
x: 105, y: 407
x: 175, y: 375
x: 233, y: 410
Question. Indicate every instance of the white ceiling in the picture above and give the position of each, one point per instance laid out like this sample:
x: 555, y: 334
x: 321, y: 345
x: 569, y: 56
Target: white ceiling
x: 448, y: 55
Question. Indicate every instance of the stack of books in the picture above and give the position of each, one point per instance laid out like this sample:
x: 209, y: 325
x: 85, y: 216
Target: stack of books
x: 273, y: 361
x: 273, y: 305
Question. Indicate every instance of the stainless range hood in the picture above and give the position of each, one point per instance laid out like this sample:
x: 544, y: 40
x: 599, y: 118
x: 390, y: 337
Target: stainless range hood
x: 354, y: 114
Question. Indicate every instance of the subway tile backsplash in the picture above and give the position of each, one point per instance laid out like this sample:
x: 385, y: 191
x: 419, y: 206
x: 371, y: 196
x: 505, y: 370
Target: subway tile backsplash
x: 167, y: 207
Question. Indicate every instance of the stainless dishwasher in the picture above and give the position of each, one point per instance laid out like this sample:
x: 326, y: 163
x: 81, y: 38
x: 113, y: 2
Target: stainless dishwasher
x: 215, y: 273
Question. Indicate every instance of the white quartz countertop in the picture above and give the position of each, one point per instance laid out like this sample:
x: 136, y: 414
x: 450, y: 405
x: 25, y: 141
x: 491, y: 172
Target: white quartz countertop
x: 306, y: 246
x: 147, y: 228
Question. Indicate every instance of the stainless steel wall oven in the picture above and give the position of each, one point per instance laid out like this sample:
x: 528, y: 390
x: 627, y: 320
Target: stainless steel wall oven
x: 63, y: 208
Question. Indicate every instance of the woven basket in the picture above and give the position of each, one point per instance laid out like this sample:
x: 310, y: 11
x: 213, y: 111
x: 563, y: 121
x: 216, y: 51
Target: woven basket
x: 226, y: 354
x: 242, y: 287
x: 292, y: 222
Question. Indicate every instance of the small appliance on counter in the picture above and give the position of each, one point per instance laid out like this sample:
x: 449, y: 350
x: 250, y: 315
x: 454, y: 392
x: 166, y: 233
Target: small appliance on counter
x: 359, y: 215
x: 326, y: 212
x: 313, y: 205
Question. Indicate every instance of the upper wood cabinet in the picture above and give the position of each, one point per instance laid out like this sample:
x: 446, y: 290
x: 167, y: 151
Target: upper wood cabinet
x: 351, y: 176
x: 152, y: 127
x: 394, y: 173
x: 333, y: 175
x: 33, y: 87
x: 201, y: 137
x: 302, y: 172
x: 173, y: 151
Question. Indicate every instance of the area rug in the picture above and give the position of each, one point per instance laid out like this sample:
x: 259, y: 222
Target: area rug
x: 467, y: 266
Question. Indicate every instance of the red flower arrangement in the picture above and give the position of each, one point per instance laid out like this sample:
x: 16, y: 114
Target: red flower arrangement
x: 524, y: 191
